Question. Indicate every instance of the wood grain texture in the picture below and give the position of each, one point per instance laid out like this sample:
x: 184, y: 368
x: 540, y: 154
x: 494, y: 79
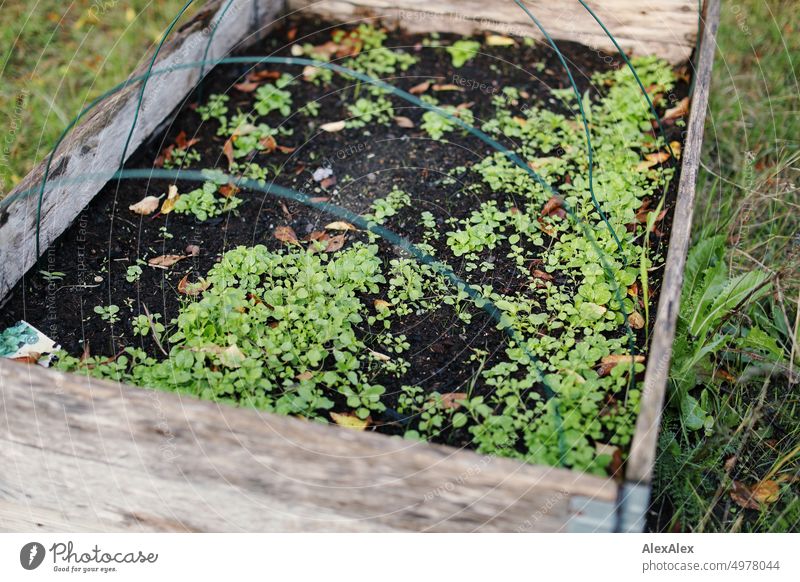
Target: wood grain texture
x: 667, y: 28
x: 643, y: 448
x: 83, y: 454
x: 95, y: 146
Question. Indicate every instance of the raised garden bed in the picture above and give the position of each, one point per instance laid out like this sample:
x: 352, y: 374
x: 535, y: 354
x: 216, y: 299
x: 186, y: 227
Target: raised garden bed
x: 311, y: 307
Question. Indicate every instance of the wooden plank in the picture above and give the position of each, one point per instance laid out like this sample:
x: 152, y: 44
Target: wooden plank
x: 667, y: 28
x: 79, y: 453
x: 96, y: 144
x: 643, y: 448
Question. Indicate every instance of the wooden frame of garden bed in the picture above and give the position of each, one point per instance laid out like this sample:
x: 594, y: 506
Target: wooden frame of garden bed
x: 82, y: 454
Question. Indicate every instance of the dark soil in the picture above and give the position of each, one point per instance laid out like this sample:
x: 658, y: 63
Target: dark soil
x: 106, y: 237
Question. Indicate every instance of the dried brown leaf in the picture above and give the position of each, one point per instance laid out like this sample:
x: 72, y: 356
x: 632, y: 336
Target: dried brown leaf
x: 350, y: 420
x: 609, y: 362
x: 340, y: 225
x: 285, y: 234
x: 145, y: 206
x: 333, y: 126
x: 420, y: 88
x: 192, y: 289
x: 404, y: 122
x: 165, y: 261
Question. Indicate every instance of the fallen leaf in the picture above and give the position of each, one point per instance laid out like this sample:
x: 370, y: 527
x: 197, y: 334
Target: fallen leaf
x: 381, y: 305
x: 754, y: 496
x: 319, y: 199
x: 228, y: 190
x: 379, y: 356
x: 227, y: 150
x: 165, y: 261
x: 340, y: 225
x: 554, y: 206
x: 453, y: 400
x: 305, y: 376
x: 447, y: 87
x: 334, y: 243
x: 350, y: 420
x: 636, y: 320
x: 499, y: 40
x: 651, y: 160
x: 192, y: 250
x: 172, y: 197
x: 269, y: 144
x: 285, y: 234
x: 404, y: 122
x: 420, y: 88
x: 256, y: 76
x: 183, y: 143
x: 145, y: 206
x: 681, y: 109
x: 615, y: 465
x: 609, y: 362
x: 537, y: 274
x: 676, y: 148
x: 730, y: 463
x: 333, y: 126
x: 286, y: 149
x: 246, y: 87
x: 192, y: 289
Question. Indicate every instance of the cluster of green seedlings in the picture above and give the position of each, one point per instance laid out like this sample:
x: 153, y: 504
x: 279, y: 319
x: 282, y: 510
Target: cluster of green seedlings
x: 284, y: 330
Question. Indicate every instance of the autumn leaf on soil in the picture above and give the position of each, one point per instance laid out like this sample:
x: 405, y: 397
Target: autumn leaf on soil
x: 304, y: 376
x: 554, y: 207
x: 172, y: 197
x: 165, y: 261
x: 231, y: 357
x: 635, y: 320
x: 537, y: 274
x: 381, y: 305
x: 420, y: 88
x: 145, y: 206
x: 286, y: 149
x: 333, y: 126
x: 379, y: 356
x: 404, y: 122
x: 192, y: 289
x: 753, y: 497
x: 269, y: 144
x: 257, y: 76
x: 183, y: 143
x: 681, y: 109
x: 610, y: 362
x: 227, y: 150
x: 498, y: 40
x: 334, y: 243
x: 447, y: 87
x: 453, y: 400
x: 285, y: 234
x: 350, y: 420
x: 676, y: 148
x: 651, y: 160
x: 246, y: 87
x: 228, y: 190
x: 340, y: 225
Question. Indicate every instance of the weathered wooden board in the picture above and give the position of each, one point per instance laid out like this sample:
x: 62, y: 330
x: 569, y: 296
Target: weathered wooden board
x: 667, y: 28
x: 643, y: 448
x: 95, y: 146
x: 82, y: 453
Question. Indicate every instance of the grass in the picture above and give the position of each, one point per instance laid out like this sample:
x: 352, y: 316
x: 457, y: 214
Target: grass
x: 58, y: 60
x: 748, y: 192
